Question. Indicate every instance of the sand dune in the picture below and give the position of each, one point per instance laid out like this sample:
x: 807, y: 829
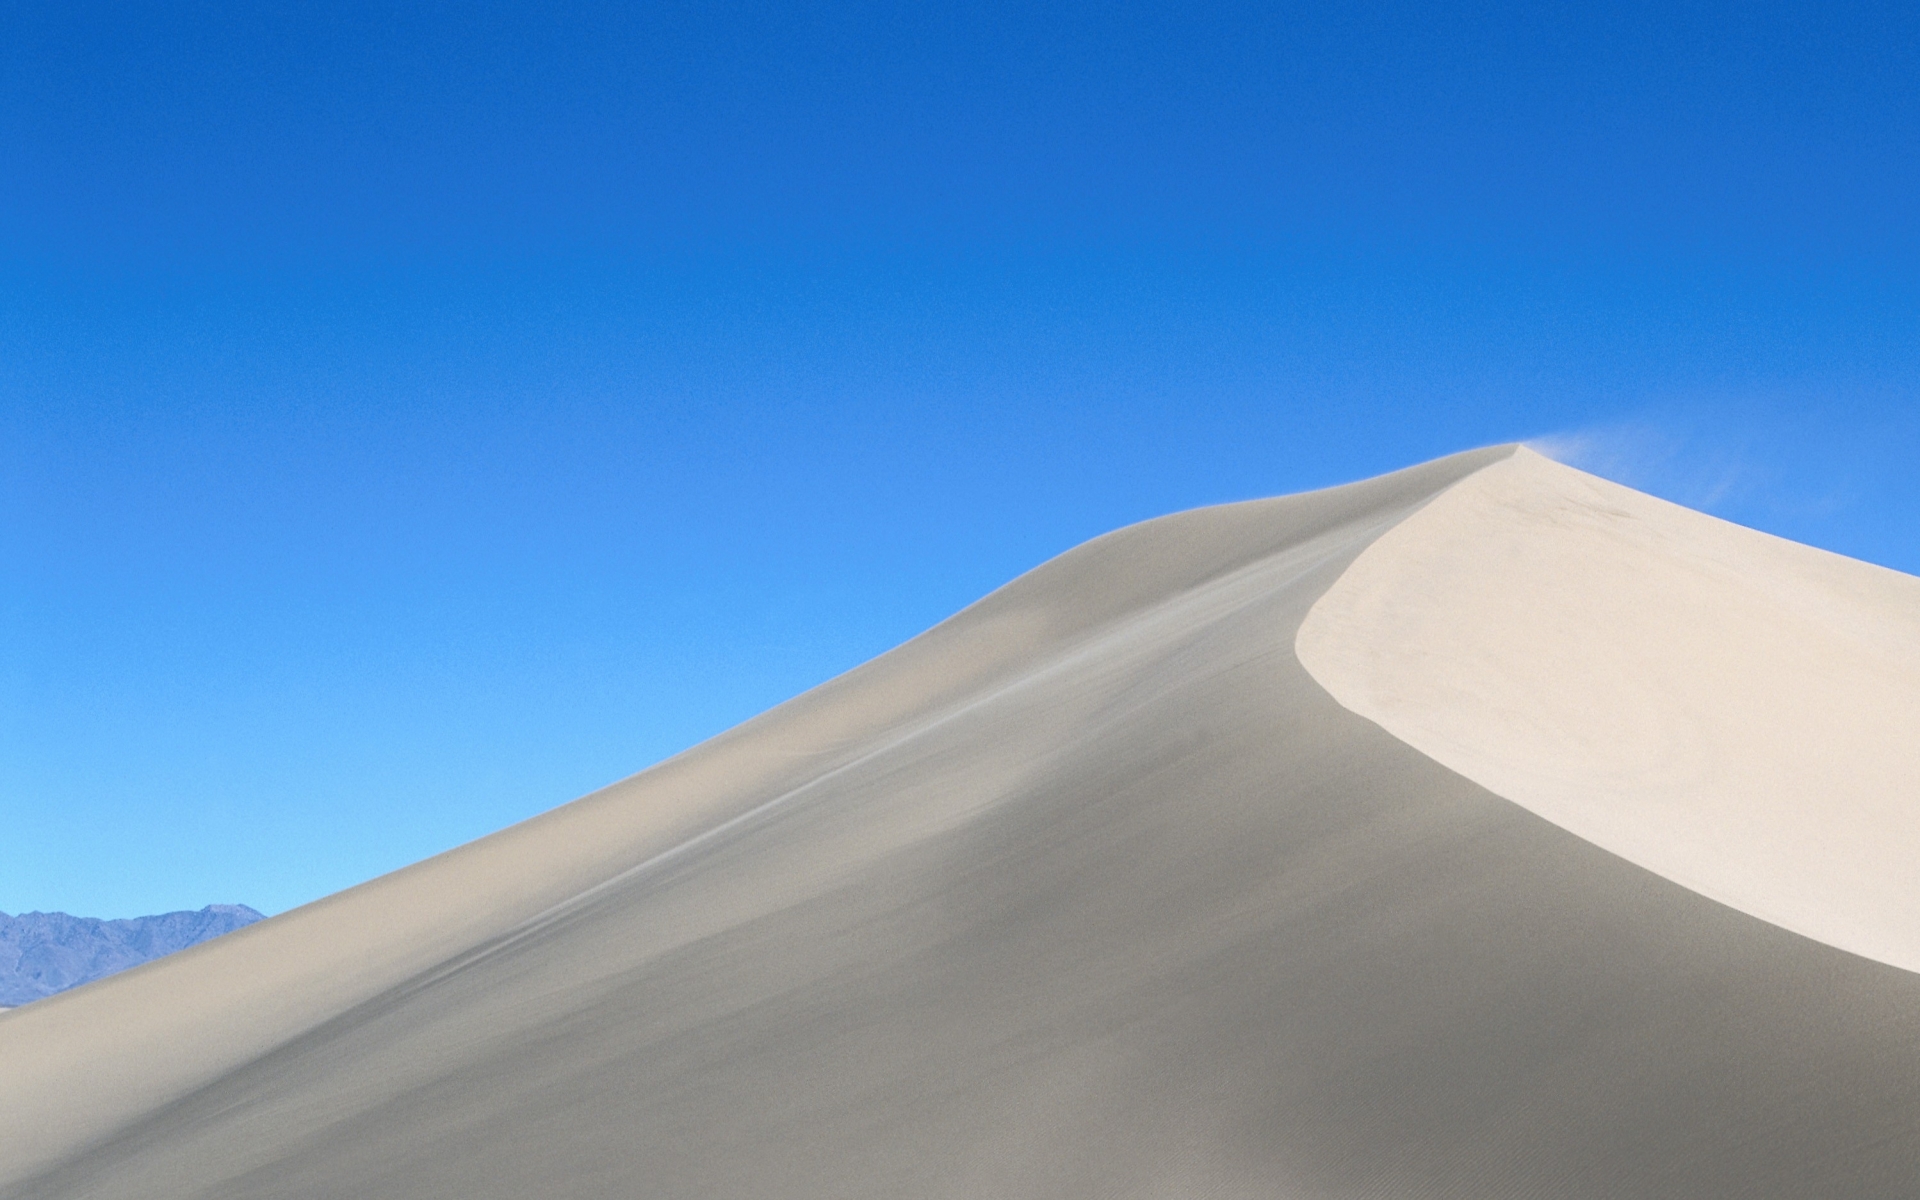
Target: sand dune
x: 1092, y: 890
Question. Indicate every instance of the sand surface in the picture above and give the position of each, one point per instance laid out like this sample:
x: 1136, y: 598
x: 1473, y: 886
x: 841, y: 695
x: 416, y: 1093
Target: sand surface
x: 1090, y: 891
x: 1733, y: 711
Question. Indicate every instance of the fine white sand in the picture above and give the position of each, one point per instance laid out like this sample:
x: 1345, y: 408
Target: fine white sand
x: 1091, y: 890
x: 1738, y: 713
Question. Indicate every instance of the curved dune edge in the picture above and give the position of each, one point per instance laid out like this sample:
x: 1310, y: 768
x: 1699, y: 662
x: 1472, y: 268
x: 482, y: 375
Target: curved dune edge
x: 1736, y: 712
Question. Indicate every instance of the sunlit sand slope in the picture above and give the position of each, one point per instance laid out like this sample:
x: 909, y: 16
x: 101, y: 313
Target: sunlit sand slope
x: 1091, y: 891
x: 1738, y: 713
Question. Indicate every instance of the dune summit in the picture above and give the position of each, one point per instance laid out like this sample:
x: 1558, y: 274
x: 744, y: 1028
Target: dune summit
x: 1095, y: 889
x: 1738, y: 713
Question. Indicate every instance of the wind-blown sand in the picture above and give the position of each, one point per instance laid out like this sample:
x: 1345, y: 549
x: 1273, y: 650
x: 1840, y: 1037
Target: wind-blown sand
x: 1092, y: 890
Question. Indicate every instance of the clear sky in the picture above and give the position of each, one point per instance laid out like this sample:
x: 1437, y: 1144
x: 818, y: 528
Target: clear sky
x: 414, y: 416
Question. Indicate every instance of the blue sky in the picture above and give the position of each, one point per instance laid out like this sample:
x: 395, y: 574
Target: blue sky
x: 416, y: 416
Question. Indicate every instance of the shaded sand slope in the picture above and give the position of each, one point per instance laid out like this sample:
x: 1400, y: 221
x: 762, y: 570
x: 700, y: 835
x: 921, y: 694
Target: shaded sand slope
x: 1091, y: 891
x: 1736, y: 712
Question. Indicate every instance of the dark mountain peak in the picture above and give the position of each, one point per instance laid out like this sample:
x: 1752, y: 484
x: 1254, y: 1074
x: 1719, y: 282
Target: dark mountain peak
x: 42, y: 953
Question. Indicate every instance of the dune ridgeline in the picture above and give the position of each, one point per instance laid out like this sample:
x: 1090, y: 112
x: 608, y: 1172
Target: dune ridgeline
x: 1481, y: 830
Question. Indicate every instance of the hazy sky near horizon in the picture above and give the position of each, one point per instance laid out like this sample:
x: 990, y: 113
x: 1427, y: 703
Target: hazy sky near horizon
x: 415, y: 416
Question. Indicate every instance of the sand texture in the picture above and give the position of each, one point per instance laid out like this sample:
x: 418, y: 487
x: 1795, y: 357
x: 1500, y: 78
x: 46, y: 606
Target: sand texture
x: 1735, y: 712
x: 1090, y: 891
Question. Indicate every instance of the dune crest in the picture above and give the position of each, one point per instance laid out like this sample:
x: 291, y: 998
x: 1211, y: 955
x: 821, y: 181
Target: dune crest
x: 1738, y: 713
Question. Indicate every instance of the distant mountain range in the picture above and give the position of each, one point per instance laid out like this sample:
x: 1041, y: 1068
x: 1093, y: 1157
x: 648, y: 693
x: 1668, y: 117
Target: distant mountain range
x: 45, y: 953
